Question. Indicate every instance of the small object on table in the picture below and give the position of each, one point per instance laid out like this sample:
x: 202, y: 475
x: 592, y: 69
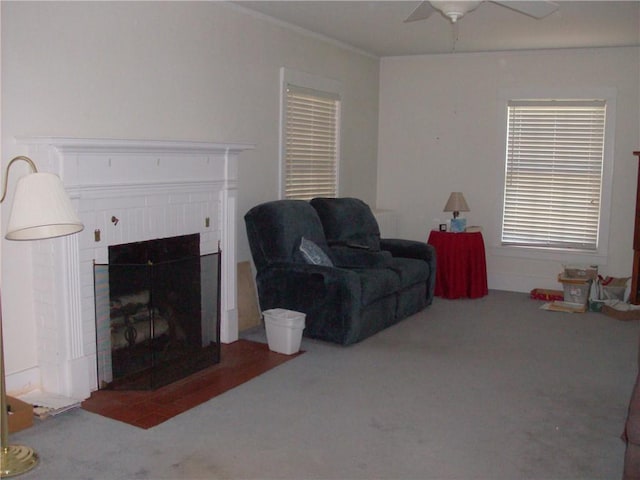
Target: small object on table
x: 458, y: 225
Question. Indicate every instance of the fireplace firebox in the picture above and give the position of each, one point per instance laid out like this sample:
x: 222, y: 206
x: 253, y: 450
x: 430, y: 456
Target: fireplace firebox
x: 157, y: 312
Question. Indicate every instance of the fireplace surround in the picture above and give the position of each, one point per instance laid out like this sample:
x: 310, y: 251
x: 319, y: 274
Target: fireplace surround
x: 124, y: 191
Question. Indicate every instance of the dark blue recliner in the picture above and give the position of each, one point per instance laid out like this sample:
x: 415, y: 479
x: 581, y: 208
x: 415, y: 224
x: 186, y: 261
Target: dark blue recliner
x: 349, y: 287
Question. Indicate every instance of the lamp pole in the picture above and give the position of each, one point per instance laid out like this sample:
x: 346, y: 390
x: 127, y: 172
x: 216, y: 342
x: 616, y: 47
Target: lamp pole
x: 14, y: 459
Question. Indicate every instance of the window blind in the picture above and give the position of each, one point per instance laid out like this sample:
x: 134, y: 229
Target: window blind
x: 553, y: 178
x: 311, y: 143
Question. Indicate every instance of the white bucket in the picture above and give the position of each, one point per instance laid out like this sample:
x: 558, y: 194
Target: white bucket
x: 284, y: 330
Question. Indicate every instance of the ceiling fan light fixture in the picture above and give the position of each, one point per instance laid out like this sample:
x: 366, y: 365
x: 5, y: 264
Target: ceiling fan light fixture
x: 454, y: 9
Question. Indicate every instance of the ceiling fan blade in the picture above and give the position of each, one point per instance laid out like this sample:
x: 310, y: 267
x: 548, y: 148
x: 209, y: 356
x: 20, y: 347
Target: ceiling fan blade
x: 535, y: 9
x: 422, y: 12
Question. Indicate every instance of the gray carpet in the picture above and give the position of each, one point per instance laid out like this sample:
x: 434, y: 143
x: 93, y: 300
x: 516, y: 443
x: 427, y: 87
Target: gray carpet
x: 492, y: 388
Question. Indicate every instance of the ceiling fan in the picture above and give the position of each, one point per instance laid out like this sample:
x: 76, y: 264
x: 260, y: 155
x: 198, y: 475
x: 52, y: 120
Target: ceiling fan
x: 455, y: 9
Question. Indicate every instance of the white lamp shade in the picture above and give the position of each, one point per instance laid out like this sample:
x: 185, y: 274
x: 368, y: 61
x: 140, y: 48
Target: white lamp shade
x: 456, y: 203
x: 41, y: 209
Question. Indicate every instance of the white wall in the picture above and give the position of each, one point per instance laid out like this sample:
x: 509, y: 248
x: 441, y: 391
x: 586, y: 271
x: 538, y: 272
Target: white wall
x: 202, y: 71
x: 439, y: 132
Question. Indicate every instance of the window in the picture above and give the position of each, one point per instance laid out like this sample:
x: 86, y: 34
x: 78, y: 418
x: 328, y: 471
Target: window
x: 310, y: 137
x: 554, y: 174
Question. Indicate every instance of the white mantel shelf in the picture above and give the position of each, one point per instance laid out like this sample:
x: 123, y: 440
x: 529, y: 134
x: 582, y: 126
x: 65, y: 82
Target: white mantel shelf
x: 121, y: 146
x: 156, y: 189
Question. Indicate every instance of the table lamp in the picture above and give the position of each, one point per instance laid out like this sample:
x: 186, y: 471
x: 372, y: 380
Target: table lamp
x: 41, y: 209
x: 457, y: 204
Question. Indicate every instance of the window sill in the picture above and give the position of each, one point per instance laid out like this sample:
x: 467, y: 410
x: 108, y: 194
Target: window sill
x: 558, y: 255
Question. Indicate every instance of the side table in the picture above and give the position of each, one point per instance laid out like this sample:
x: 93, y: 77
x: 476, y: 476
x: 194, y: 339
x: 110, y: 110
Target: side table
x: 461, y: 269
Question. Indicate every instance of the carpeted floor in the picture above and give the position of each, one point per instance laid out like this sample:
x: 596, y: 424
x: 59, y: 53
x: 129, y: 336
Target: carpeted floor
x: 240, y: 362
x: 490, y: 389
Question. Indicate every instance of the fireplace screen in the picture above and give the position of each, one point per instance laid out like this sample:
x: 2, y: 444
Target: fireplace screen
x: 157, y: 313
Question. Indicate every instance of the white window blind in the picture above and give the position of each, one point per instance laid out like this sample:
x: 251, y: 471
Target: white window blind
x: 311, y: 143
x: 554, y: 171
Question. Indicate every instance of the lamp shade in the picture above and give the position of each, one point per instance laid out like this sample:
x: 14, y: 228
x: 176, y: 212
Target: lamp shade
x: 41, y: 209
x: 456, y: 203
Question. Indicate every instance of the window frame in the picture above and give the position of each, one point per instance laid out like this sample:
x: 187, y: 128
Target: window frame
x: 311, y: 82
x: 600, y: 255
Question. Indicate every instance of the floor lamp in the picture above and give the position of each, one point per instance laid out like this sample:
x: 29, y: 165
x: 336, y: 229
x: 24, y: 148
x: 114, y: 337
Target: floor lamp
x: 41, y: 209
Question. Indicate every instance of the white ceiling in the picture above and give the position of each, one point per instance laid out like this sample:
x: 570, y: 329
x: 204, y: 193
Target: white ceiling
x: 377, y: 27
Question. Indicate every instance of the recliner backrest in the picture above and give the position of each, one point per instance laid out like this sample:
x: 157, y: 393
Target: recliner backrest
x: 274, y: 231
x: 347, y: 220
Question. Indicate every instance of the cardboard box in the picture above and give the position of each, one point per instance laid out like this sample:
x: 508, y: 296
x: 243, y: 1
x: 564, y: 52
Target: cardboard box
x: 627, y: 314
x: 567, y: 307
x: 583, y: 272
x: 20, y: 414
x: 576, y: 290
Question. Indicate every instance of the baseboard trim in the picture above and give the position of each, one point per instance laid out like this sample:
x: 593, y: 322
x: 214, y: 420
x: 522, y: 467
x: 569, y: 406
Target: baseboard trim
x: 521, y: 283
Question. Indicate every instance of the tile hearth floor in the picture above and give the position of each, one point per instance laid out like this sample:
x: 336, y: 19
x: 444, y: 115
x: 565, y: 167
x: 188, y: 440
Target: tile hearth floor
x: 239, y: 362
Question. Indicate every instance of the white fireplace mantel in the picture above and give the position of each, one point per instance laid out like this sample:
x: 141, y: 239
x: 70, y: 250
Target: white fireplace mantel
x: 125, y: 191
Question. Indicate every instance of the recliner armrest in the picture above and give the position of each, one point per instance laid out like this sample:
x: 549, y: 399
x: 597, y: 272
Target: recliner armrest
x: 414, y: 249
x: 409, y: 249
x: 348, y: 257
x: 329, y: 296
x: 291, y: 284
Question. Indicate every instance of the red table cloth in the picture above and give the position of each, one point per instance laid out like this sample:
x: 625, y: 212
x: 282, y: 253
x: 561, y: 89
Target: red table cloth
x: 461, y: 269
